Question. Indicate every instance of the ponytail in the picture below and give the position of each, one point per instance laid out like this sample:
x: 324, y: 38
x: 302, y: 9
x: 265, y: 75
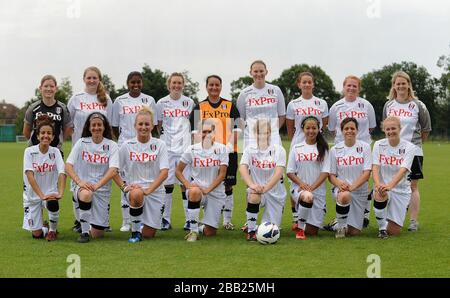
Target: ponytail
x: 322, y: 144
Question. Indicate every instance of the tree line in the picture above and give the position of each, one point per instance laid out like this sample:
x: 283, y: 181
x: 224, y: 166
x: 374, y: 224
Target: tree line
x: 375, y: 86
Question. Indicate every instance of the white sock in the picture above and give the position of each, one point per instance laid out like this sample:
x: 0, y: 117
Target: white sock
x: 53, y: 218
x: 185, y: 208
x: 380, y: 209
x: 76, y: 209
x: 228, y: 209
x: 193, y: 216
x: 303, y: 213
x: 136, y: 218
x: 85, y: 220
x: 369, y: 205
x: 252, y: 216
x: 342, y: 214
x: 167, y: 207
x: 125, y: 209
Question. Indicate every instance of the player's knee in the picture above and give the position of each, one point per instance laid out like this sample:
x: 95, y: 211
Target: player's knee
x: 52, y: 205
x: 136, y: 197
x: 169, y: 189
x: 311, y: 230
x: 254, y: 198
x: 85, y: 195
x: 344, y: 198
x: 38, y: 234
x: 393, y: 229
x: 209, y: 231
x: 307, y: 197
x: 379, y: 198
x: 195, y: 194
x: 148, y: 232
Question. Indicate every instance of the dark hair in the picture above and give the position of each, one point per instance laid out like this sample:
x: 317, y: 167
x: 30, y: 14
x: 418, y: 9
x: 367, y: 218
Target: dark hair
x: 347, y: 120
x: 213, y: 76
x: 44, y: 120
x: 302, y: 74
x: 106, y: 133
x: 132, y: 74
x: 322, y: 145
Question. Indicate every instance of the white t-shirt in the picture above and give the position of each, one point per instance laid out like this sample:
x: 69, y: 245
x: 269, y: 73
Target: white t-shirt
x: 348, y: 163
x: 80, y: 106
x: 300, y: 108
x: 91, y: 161
x: 254, y: 103
x: 414, y: 119
x: 141, y: 163
x: 46, y: 168
x: 124, y: 113
x: 360, y: 109
x: 176, y: 128
x: 262, y: 164
x: 391, y: 159
x: 303, y: 163
x: 205, y: 163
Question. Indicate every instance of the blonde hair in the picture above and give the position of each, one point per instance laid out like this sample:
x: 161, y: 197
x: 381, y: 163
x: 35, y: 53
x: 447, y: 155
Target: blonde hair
x: 305, y: 73
x: 48, y: 77
x: 101, y: 91
x: 263, y: 122
x: 394, y: 119
x: 174, y: 74
x: 393, y: 92
x: 144, y: 111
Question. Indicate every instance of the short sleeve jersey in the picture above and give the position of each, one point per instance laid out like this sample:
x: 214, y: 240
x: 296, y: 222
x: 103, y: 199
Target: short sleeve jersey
x: 300, y: 108
x: 267, y: 103
x: 205, y: 163
x: 124, y: 112
x: 176, y: 129
x: 348, y: 163
x: 391, y: 159
x: 46, y: 168
x: 141, y: 163
x: 80, y: 106
x: 414, y: 119
x: 91, y: 161
x: 304, y: 164
x: 58, y: 112
x: 262, y: 165
x: 360, y: 109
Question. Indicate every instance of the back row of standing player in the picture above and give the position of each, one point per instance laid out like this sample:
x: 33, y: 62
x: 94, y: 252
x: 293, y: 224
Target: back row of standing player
x: 260, y: 100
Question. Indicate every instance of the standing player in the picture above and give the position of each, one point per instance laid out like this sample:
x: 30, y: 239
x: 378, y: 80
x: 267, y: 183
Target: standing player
x: 124, y: 113
x: 173, y: 113
x: 92, y: 163
x: 261, y: 100
x: 226, y: 117
x: 350, y: 166
x: 208, y: 162
x: 308, y: 168
x: 262, y: 169
x: 416, y: 126
x: 143, y: 161
x: 306, y: 105
x: 49, y: 106
x: 44, y: 179
x: 392, y: 161
x: 356, y: 107
x: 81, y: 105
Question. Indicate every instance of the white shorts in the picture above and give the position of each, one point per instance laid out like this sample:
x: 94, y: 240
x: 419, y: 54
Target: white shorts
x: 213, y: 204
x: 173, y: 162
x: 33, y: 215
x: 153, y: 209
x: 273, y: 207
x: 318, y: 210
x: 100, y: 207
x: 397, y: 207
x: 358, y: 204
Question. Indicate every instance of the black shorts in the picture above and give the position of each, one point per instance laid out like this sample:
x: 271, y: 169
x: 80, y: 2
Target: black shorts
x: 416, y: 168
x: 230, y: 178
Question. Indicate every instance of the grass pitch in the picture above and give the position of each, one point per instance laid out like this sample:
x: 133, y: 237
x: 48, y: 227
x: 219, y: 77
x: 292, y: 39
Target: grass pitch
x: 421, y: 254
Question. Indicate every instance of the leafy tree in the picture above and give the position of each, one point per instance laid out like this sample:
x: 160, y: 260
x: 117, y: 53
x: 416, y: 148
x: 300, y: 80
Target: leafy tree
x: 110, y: 87
x: 375, y: 87
x: 323, y: 84
x: 238, y: 85
x: 442, y: 123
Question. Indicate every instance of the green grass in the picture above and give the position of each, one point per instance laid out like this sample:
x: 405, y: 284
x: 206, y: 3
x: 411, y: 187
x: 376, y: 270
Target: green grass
x: 421, y: 254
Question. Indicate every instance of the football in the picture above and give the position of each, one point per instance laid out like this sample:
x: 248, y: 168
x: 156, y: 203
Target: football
x: 267, y: 233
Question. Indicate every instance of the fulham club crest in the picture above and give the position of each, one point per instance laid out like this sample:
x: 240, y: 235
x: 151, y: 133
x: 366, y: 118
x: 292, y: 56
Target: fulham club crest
x: 316, y: 102
x: 51, y: 156
x: 411, y: 106
x: 224, y: 106
x: 401, y: 151
x: 270, y: 91
x: 58, y: 110
x: 360, y: 105
x: 359, y: 149
x: 144, y: 100
x: 105, y: 147
x: 153, y: 147
x: 185, y: 103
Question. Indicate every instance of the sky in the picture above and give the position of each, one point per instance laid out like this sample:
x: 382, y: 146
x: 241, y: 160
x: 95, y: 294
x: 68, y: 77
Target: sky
x: 63, y: 37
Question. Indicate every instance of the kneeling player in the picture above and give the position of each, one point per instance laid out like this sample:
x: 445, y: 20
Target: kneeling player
x: 392, y: 160
x: 208, y: 162
x: 44, y: 178
x: 262, y: 167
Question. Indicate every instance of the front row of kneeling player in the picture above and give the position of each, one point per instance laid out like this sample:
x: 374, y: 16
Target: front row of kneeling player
x: 95, y: 160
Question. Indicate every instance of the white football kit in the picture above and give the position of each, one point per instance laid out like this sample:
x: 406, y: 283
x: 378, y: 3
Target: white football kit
x: 266, y: 103
x: 261, y: 166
